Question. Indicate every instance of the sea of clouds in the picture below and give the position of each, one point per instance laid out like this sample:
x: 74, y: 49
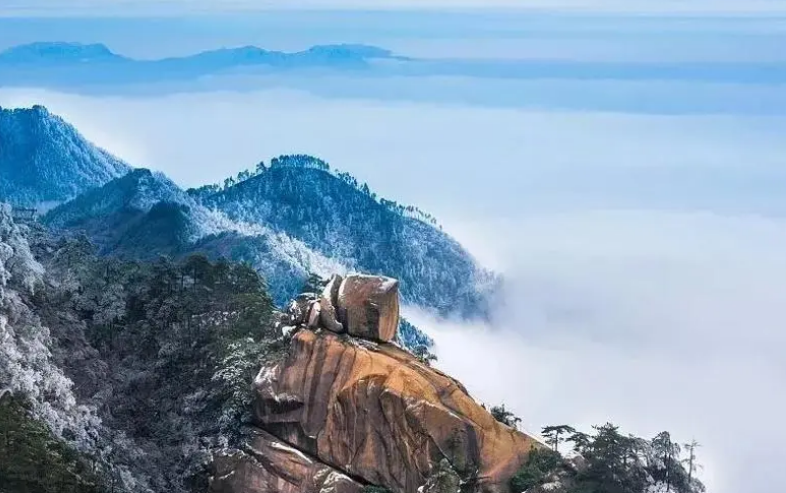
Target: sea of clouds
x: 640, y: 225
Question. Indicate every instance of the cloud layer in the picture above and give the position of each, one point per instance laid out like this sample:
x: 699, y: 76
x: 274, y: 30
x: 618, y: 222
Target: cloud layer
x: 650, y: 320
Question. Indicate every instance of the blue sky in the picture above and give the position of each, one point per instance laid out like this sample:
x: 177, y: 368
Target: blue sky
x: 126, y: 7
x: 640, y: 223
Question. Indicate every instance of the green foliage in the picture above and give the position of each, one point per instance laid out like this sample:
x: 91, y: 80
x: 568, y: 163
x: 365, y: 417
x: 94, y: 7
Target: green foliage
x: 314, y: 284
x: 505, y: 417
x: 610, y: 466
x: 609, y: 463
x: 171, y: 350
x: 539, y: 464
x: 424, y: 355
x: 444, y: 480
x: 32, y: 460
x: 557, y: 434
x: 201, y: 325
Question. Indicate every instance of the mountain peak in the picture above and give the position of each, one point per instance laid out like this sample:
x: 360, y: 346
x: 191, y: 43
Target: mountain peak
x: 348, y: 50
x: 43, y: 159
x: 338, y: 217
x: 139, y: 190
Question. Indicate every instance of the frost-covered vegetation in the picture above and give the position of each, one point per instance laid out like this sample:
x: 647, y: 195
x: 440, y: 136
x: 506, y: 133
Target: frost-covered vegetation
x: 341, y: 220
x: 33, y: 459
x: 286, y: 220
x: 138, y: 370
x: 305, y: 161
x: 44, y: 160
x: 607, y: 461
x: 295, y: 216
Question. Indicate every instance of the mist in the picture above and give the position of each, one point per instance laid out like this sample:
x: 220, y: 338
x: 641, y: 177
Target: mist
x: 653, y: 321
x: 508, y: 160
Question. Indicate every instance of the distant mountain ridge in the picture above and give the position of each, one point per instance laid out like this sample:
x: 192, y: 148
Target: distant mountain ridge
x: 43, y: 159
x: 288, y: 220
x: 58, y: 52
x: 66, y: 64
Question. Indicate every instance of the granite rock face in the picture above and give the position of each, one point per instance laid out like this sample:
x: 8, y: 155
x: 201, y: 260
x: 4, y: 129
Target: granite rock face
x: 343, y: 410
x: 368, y: 307
x: 269, y: 466
x: 377, y: 413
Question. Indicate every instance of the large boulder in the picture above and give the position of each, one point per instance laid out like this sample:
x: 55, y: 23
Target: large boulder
x: 368, y: 307
x: 377, y: 413
x: 269, y: 466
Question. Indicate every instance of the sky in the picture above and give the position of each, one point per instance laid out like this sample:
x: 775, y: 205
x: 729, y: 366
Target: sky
x: 131, y: 7
x: 639, y: 224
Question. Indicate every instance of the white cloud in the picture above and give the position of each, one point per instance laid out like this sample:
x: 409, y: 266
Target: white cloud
x: 650, y: 320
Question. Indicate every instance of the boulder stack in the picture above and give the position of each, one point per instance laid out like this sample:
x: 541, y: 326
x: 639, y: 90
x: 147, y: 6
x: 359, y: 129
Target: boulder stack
x: 363, y: 306
x: 345, y: 409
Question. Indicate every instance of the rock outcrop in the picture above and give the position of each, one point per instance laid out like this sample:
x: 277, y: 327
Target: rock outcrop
x: 376, y: 412
x: 355, y: 405
x: 269, y: 466
x: 368, y: 307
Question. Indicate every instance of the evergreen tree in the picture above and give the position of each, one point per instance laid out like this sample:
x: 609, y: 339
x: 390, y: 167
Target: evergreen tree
x: 505, y: 417
x: 669, y: 452
x: 33, y: 460
x: 314, y: 284
x: 557, y: 434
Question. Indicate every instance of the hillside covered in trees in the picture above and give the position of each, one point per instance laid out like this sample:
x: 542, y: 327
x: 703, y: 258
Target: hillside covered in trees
x: 336, y: 216
x: 44, y: 160
x: 605, y: 461
x: 139, y: 369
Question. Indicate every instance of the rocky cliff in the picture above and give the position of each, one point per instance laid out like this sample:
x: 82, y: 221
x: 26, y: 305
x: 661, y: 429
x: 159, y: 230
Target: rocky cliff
x: 346, y: 408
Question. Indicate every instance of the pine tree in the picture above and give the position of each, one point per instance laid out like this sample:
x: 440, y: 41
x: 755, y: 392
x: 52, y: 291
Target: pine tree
x: 557, y: 434
x: 314, y: 284
x: 505, y: 417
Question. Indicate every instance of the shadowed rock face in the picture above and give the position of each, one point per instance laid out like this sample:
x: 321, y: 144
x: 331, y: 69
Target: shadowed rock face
x: 368, y: 307
x: 328, y: 302
x: 270, y: 466
x: 377, y: 413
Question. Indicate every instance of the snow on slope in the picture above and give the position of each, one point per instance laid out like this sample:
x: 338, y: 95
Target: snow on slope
x: 43, y: 159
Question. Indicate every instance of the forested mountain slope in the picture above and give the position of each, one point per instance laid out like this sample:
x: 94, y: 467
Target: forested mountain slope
x: 44, y: 160
x: 334, y: 215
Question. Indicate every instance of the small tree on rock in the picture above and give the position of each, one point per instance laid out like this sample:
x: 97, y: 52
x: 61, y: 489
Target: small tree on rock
x: 505, y: 417
x: 314, y: 284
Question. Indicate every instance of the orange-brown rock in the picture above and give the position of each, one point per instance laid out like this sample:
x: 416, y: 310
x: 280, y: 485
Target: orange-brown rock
x: 269, y: 466
x: 368, y: 307
x: 377, y: 413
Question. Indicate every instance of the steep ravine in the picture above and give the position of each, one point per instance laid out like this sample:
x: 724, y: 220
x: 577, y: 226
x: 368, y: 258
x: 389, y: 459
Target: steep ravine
x: 347, y: 408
